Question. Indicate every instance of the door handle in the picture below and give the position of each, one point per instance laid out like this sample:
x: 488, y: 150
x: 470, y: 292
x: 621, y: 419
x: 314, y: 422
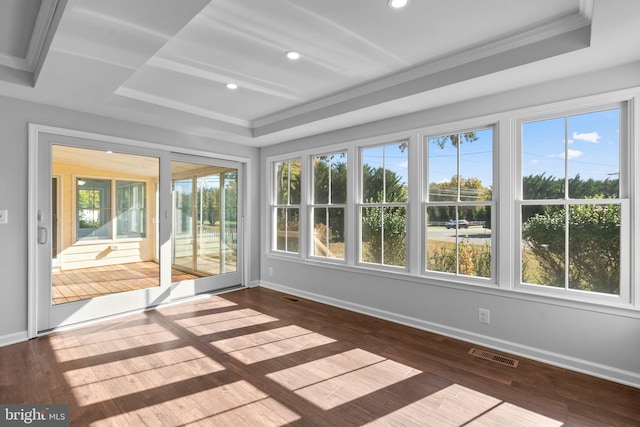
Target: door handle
x: 43, y: 235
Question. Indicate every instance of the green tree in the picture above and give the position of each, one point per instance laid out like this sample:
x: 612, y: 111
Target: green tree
x: 471, y: 189
x: 455, y: 139
x: 384, y: 229
x: 332, y: 190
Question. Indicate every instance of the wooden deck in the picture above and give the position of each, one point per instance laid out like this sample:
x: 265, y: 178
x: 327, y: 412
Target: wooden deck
x: 85, y: 283
x: 256, y: 358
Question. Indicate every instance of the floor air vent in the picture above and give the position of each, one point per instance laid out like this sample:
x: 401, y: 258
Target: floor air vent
x: 290, y: 299
x: 482, y: 354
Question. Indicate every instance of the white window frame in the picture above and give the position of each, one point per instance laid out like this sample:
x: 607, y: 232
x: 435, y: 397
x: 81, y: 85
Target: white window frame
x: 360, y: 204
x: 147, y: 216
x: 275, y: 206
x: 113, y: 188
x: 311, y: 205
x: 424, y: 140
x: 626, y: 200
x: 506, y: 233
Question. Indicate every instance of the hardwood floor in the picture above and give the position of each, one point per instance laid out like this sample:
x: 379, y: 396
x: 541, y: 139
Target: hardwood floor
x: 86, y: 283
x: 252, y: 357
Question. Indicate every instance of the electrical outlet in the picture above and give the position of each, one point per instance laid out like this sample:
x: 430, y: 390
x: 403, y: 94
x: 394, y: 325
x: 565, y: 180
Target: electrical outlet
x: 270, y: 271
x: 4, y: 216
x: 484, y: 316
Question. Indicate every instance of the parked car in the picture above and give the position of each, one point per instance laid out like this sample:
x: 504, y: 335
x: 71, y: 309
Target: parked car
x: 461, y: 223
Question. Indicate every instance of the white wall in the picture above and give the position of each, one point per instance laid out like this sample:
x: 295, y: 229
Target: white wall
x: 601, y: 341
x: 14, y: 119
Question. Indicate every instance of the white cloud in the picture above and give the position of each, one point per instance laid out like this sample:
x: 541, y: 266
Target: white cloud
x: 534, y: 161
x: 592, y: 137
x: 572, y: 154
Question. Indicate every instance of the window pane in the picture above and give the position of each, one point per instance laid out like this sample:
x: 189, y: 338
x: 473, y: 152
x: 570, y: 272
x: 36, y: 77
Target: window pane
x: 328, y: 232
x: 287, y: 229
x: 230, y: 215
x: 461, y: 246
x: 330, y: 178
x: 384, y: 235
x: 288, y: 182
x: 130, y: 209
x: 339, y: 178
x: 543, y: 245
x: 294, y: 182
x: 395, y: 236
x: 282, y: 183
x: 396, y: 172
x: 371, y: 249
x: 474, y: 242
x: 594, y: 154
x: 321, y: 179
x: 443, y: 168
x: 373, y: 175
x: 594, y: 248
x: 440, y: 241
x: 543, y: 159
x: 384, y: 173
x: 461, y: 166
x: 476, y: 165
x: 94, y: 209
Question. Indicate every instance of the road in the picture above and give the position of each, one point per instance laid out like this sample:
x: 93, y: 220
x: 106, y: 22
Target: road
x: 477, y: 235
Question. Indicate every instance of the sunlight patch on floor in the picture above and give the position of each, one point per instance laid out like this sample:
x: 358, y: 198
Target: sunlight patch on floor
x: 353, y: 385
x: 223, y: 405
x: 222, y: 322
x: 138, y: 374
x: 259, y: 346
x: 509, y: 415
x: 132, y: 365
x: 341, y: 378
x: 209, y: 303
x: 75, y: 348
x: 457, y: 405
x: 323, y: 369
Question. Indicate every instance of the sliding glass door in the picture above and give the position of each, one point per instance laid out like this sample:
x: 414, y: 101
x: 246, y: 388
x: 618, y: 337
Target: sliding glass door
x: 122, y: 228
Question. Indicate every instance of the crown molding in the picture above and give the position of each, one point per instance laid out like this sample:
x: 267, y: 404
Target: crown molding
x: 38, y: 36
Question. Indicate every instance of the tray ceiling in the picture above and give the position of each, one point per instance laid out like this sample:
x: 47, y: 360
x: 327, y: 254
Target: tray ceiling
x: 166, y: 63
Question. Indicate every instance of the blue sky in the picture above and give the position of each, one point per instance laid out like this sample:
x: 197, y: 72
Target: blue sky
x: 476, y: 159
x: 592, y: 148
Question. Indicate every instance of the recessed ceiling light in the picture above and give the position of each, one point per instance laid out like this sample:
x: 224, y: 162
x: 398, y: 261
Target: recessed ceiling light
x: 292, y: 55
x: 397, y: 4
x: 232, y: 86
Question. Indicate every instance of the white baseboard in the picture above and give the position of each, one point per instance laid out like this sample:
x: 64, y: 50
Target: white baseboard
x: 13, y: 338
x: 556, y: 359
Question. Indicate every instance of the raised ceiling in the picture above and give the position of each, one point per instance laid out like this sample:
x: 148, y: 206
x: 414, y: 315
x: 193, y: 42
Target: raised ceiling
x: 166, y: 63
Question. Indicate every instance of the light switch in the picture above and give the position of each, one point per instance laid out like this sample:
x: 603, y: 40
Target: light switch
x: 4, y: 216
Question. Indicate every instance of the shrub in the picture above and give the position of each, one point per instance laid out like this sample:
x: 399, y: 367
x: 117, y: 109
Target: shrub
x: 594, y: 246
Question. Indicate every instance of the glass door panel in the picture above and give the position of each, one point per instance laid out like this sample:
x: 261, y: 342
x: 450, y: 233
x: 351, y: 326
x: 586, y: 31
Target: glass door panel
x: 183, y: 235
x: 205, y: 221
x: 108, y: 242
x: 99, y: 228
